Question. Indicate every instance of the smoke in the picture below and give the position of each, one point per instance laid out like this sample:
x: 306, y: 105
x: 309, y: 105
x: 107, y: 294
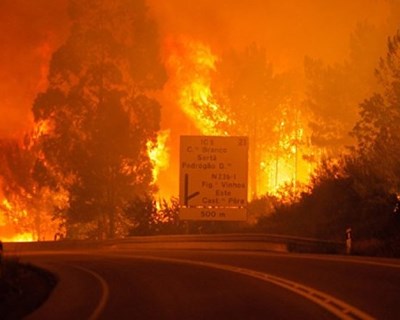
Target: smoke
x: 288, y: 29
x: 29, y: 33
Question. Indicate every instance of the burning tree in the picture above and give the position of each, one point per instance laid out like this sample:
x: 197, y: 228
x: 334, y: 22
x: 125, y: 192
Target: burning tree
x: 99, y: 116
x: 25, y: 205
x: 191, y: 65
x: 263, y: 107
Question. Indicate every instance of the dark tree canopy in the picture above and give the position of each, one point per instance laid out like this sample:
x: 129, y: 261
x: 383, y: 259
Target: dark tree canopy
x: 98, y: 113
x: 378, y: 130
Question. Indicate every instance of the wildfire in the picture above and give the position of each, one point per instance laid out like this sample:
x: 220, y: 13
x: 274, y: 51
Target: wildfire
x: 41, y: 128
x: 21, y: 237
x: 279, y: 161
x: 286, y: 165
x: 28, y: 217
x: 7, y: 231
x: 159, y: 153
x: 190, y: 64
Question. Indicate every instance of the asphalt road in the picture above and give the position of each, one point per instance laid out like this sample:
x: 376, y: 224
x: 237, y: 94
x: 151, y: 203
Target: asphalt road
x: 123, y: 282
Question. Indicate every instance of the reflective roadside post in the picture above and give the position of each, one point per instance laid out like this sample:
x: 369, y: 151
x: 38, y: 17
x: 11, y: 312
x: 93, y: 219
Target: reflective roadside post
x: 348, y: 241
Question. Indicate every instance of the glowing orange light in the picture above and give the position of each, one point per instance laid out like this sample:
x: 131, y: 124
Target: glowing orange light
x: 278, y: 161
x: 5, y: 224
x: 21, y: 237
x: 158, y: 153
x: 286, y: 165
x: 191, y: 64
x: 29, y: 218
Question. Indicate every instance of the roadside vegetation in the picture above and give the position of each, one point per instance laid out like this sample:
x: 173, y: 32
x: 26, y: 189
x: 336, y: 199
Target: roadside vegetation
x: 23, y: 288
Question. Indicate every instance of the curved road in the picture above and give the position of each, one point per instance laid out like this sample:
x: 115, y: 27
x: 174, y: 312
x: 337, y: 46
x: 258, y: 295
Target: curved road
x: 123, y: 282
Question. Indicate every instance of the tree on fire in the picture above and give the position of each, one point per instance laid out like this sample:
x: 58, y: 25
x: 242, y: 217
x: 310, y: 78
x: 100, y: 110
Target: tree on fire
x: 17, y: 185
x: 25, y: 204
x: 362, y: 189
x: 245, y: 82
x: 99, y: 116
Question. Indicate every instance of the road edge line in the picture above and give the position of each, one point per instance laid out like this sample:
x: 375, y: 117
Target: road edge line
x: 335, y: 306
x: 105, y: 292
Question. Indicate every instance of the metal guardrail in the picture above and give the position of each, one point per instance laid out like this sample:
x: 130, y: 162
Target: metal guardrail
x: 292, y: 243
x: 263, y: 242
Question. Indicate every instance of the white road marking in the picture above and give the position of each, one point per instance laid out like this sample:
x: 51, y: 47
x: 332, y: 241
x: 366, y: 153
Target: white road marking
x: 348, y: 259
x: 335, y: 306
x: 105, y: 292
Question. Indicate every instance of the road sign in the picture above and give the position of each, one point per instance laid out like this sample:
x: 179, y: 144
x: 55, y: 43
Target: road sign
x: 213, y: 213
x: 213, y: 174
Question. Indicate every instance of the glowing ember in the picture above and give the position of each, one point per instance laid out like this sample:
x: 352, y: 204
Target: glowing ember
x: 41, y: 128
x: 6, y: 204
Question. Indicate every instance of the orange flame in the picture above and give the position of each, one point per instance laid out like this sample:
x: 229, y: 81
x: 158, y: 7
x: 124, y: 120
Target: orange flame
x: 159, y: 153
x: 30, y: 218
x: 8, y: 232
x: 190, y: 64
x: 288, y: 166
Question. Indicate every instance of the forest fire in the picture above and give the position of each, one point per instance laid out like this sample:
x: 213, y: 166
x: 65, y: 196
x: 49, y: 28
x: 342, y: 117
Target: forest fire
x: 9, y: 221
x: 288, y: 167
x: 26, y: 209
x: 20, y: 221
x: 80, y: 134
x: 159, y: 154
x: 190, y: 64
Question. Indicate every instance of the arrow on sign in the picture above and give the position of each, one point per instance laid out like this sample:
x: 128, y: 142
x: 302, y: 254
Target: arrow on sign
x: 188, y: 196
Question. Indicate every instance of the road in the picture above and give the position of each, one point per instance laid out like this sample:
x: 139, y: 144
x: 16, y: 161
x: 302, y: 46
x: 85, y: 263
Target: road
x: 129, y: 282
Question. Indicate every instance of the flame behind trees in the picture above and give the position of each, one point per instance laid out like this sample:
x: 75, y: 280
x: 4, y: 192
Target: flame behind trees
x: 263, y: 106
x: 239, y: 94
x: 25, y: 207
x: 360, y: 189
x: 191, y: 64
x: 100, y: 116
x: 159, y: 153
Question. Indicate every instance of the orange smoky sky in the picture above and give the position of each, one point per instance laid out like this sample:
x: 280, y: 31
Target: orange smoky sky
x: 289, y: 29
x: 29, y: 33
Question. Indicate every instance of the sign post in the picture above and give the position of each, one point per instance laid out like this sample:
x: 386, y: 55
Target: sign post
x: 213, y: 178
